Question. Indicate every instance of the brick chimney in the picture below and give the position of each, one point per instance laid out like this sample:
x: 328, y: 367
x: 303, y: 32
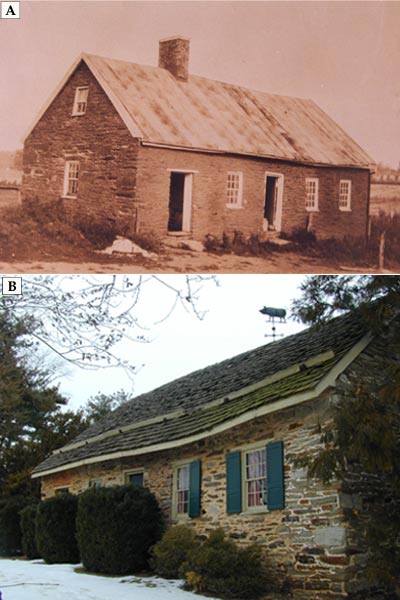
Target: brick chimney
x: 174, y: 56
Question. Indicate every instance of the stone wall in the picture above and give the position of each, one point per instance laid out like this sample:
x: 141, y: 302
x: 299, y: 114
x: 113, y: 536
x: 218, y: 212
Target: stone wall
x: 101, y: 143
x: 210, y: 214
x: 306, y: 541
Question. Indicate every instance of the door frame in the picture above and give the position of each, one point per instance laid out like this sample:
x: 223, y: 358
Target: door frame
x: 279, y: 197
x: 187, y: 199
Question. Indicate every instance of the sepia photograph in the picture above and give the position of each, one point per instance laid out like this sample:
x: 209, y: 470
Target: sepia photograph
x: 220, y: 137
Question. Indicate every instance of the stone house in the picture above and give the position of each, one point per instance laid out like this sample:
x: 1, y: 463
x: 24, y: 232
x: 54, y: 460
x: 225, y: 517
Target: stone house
x: 220, y: 448
x: 159, y: 150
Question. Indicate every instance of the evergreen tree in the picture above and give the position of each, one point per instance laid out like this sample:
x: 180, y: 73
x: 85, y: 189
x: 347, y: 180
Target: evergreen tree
x: 365, y: 434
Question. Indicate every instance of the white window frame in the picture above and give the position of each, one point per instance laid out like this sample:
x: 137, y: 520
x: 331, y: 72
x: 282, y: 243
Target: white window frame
x: 80, y: 101
x: 345, y: 195
x: 137, y: 471
x: 175, y: 492
x: 312, y: 194
x: 234, y: 189
x: 95, y: 483
x: 246, y: 506
x: 71, y: 179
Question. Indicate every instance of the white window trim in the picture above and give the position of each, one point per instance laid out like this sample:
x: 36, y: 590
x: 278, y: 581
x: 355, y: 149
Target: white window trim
x: 246, y: 509
x: 315, y: 207
x: 347, y: 207
x: 133, y: 472
x: 75, y: 111
x: 174, y: 510
x: 239, y: 203
x: 95, y: 483
x: 67, y: 169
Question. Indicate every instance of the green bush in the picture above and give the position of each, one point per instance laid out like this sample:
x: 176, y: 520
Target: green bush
x: 220, y: 567
x: 172, y: 551
x: 116, y: 528
x: 99, y: 231
x: 56, y: 530
x: 10, y: 530
x: 28, y: 531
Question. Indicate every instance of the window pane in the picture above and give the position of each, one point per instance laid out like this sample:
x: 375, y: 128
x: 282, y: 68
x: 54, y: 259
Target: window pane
x: 256, y: 478
x: 136, y: 478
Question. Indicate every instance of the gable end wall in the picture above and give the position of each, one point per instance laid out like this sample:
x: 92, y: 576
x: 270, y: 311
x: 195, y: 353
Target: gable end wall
x: 101, y: 143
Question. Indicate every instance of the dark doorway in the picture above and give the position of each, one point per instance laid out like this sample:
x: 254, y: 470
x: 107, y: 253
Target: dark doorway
x: 176, y: 193
x: 270, y: 201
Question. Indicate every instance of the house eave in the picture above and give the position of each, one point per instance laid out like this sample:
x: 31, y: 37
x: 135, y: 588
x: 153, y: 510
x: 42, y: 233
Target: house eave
x: 272, y: 407
x: 295, y: 161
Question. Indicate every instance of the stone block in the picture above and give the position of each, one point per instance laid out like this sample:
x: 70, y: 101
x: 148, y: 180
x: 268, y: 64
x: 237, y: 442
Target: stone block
x: 330, y: 536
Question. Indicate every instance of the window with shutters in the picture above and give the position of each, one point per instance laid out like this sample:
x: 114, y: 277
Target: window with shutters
x: 186, y: 490
x: 255, y: 478
x: 80, y: 101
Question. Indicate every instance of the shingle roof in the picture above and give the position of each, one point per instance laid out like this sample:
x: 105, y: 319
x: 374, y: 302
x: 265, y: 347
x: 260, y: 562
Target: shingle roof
x: 198, y: 403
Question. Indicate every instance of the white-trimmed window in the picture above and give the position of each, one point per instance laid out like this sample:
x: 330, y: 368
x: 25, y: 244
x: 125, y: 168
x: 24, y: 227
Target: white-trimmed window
x: 234, y: 189
x: 181, y: 490
x: 71, y: 175
x: 61, y: 490
x: 135, y: 477
x: 254, y: 469
x: 80, y: 101
x: 95, y: 483
x: 311, y: 193
x: 345, y: 194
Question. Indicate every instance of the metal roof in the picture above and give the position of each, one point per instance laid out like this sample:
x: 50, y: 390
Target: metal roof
x: 213, y: 399
x: 203, y: 114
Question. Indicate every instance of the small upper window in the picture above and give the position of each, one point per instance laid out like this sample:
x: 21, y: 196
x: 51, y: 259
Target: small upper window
x: 61, y: 490
x: 311, y: 193
x: 182, y: 476
x: 80, y: 101
x: 95, y: 483
x: 345, y: 194
x: 234, y: 187
x: 71, y: 175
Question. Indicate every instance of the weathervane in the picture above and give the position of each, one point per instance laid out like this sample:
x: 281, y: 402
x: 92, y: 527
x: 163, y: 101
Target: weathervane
x: 272, y: 314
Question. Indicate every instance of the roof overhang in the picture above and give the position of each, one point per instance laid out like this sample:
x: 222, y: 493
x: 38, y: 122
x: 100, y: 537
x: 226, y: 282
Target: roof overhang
x: 326, y: 382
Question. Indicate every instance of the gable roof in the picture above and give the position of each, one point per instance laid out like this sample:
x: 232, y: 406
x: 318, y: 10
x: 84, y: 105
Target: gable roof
x: 206, y: 115
x: 269, y: 378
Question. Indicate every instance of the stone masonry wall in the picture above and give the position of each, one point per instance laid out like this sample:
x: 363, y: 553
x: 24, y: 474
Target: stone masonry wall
x: 101, y: 143
x: 210, y: 213
x: 306, y: 541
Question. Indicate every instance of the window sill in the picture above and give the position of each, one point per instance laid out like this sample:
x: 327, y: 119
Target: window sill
x: 312, y: 210
x: 259, y: 511
x: 234, y: 206
x: 344, y: 209
x: 66, y: 197
x: 78, y: 114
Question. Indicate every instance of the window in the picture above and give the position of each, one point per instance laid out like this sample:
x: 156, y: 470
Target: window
x: 255, y: 479
x: 80, y: 101
x: 186, y: 490
x: 311, y: 194
x: 61, y: 490
x: 345, y: 194
x: 234, y: 186
x: 71, y: 178
x: 135, y: 478
x: 95, y: 483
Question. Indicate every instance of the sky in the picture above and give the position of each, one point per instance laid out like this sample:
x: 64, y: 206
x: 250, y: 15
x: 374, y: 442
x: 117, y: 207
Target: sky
x: 343, y: 55
x: 182, y: 343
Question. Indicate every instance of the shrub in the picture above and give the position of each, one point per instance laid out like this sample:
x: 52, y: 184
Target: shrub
x: 148, y: 241
x: 28, y: 531
x: 238, y: 244
x: 218, y: 566
x: 10, y: 530
x: 172, y: 551
x: 55, y: 529
x: 116, y: 528
x: 99, y: 231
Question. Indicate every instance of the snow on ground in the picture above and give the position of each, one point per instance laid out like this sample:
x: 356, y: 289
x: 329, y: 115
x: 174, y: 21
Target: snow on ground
x: 34, y: 580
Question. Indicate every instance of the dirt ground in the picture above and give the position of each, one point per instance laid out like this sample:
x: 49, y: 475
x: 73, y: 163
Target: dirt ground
x: 180, y: 261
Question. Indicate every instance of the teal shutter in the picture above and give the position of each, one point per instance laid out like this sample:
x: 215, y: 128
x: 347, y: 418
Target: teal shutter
x: 275, y: 476
x: 233, y: 483
x: 194, y: 488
